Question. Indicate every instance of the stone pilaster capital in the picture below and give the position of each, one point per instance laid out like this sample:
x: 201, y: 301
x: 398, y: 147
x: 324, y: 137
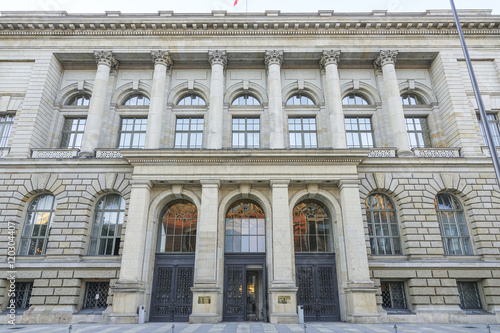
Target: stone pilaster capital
x: 329, y: 57
x: 210, y: 182
x: 146, y: 183
x: 217, y: 57
x: 348, y: 183
x: 279, y: 183
x: 106, y: 58
x: 162, y: 57
x: 385, y: 57
x: 273, y: 57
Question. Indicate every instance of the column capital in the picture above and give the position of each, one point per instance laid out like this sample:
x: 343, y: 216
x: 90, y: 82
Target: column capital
x: 141, y: 183
x: 210, y: 182
x: 348, y: 183
x: 385, y: 57
x: 162, y: 57
x: 106, y: 58
x: 280, y: 183
x: 217, y: 57
x: 273, y: 57
x: 329, y: 57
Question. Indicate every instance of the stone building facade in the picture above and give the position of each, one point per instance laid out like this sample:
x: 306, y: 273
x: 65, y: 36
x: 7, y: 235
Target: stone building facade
x: 221, y: 167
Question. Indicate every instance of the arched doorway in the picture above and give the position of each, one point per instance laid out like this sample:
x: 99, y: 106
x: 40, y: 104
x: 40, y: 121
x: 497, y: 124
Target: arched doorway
x: 245, y: 263
x: 171, y: 296
x: 315, y: 268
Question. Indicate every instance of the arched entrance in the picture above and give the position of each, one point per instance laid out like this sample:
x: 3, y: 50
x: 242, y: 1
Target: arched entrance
x: 171, y: 296
x: 245, y: 263
x: 315, y: 268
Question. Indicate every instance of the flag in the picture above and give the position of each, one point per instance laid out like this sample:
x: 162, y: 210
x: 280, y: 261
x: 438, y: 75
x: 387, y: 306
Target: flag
x: 235, y: 2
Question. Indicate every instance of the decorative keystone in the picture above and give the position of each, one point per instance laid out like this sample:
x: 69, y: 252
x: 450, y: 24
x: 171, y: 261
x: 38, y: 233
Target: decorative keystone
x: 162, y: 57
x: 273, y: 57
x: 329, y: 57
x: 385, y: 57
x: 106, y: 58
x: 217, y: 57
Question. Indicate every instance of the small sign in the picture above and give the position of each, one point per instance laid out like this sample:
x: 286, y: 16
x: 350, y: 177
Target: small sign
x: 96, y: 296
x: 284, y: 300
x: 204, y: 299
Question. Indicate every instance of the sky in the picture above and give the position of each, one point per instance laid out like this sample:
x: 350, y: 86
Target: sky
x: 252, y: 6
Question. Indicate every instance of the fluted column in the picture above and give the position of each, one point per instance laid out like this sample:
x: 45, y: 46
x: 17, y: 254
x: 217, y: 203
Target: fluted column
x: 218, y: 61
x: 162, y: 62
x: 273, y: 62
x: 329, y: 62
x: 392, y: 97
x: 105, y: 62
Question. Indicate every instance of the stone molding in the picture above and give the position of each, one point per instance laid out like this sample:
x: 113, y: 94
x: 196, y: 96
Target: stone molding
x: 273, y: 57
x: 385, y: 57
x: 106, y: 58
x: 329, y: 57
x: 162, y: 57
x: 217, y: 58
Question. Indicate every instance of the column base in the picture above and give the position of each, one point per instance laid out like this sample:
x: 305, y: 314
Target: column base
x: 362, y: 303
x: 128, y: 296
x: 48, y: 314
x: 283, y: 303
x: 207, y: 301
x: 122, y: 318
x: 284, y: 318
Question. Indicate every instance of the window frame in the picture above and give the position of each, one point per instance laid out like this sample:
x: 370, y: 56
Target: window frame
x: 133, y: 133
x: 355, y: 97
x: 137, y: 97
x: 478, y: 296
x: 190, y: 132
x: 73, y: 100
x: 494, y: 125
x: 96, y: 237
x: 247, y: 133
x: 27, y: 236
x: 328, y: 241
x: 246, y: 97
x: 72, y: 136
x: 412, y: 99
x: 359, y: 132
x: 402, y: 288
x: 163, y: 229
x: 6, y: 125
x: 244, y: 233
x: 88, y: 299
x: 424, y: 134
x: 290, y: 102
x: 181, y: 102
x: 302, y: 133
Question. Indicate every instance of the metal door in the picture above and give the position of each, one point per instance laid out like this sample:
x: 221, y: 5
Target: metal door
x: 317, y: 282
x: 171, y: 296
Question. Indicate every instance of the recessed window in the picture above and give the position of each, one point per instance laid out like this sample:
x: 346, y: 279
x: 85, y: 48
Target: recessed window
x: 137, y: 100
x: 188, y: 133
x: 36, y: 227
x: 359, y: 132
x: 178, y: 223
x: 107, y: 227
x: 245, y: 228
x: 6, y: 122
x: 354, y: 99
x: 246, y: 132
x: 96, y: 296
x: 469, y: 295
x: 302, y: 132
x: 299, y: 100
x: 418, y: 132
x: 393, y: 296
x: 73, y: 130
x: 452, y: 224
x: 22, y: 295
x: 312, y: 229
x: 133, y: 132
x: 80, y: 100
x: 382, y: 225
x: 193, y: 100
x: 245, y: 100
x: 492, y: 119
x: 411, y: 99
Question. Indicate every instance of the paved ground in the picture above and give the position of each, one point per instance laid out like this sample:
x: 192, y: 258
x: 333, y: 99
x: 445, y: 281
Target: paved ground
x: 253, y: 328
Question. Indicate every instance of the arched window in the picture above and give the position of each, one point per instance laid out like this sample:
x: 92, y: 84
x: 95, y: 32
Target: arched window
x: 178, y: 222
x: 194, y: 100
x: 245, y: 228
x: 79, y: 100
x: 36, y: 225
x: 312, y: 227
x: 411, y: 99
x: 137, y: 100
x: 354, y: 99
x: 107, y: 226
x: 245, y: 100
x: 452, y: 224
x: 299, y: 100
x: 382, y: 225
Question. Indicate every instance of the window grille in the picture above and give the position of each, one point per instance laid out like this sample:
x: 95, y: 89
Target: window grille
x: 382, y: 225
x: 393, y: 296
x: 22, y: 295
x: 36, y: 225
x: 133, y: 132
x: 312, y: 229
x: 354, y: 99
x: 96, y: 295
x: 302, y: 132
x: 494, y: 128
x: 418, y: 132
x: 469, y: 296
x: 6, y: 123
x: 137, y: 100
x: 73, y: 130
x: 359, y: 132
x: 178, y: 226
x: 189, y: 133
x: 299, y: 100
x: 245, y: 100
x: 107, y: 227
x: 246, y: 132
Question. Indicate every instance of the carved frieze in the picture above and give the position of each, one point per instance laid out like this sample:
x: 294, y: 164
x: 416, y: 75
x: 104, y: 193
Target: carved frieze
x: 106, y: 58
x: 385, y: 57
x: 217, y: 57
x: 274, y: 57
x: 329, y: 57
x: 162, y: 57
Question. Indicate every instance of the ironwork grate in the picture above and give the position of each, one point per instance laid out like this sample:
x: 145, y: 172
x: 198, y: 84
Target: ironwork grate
x: 393, y: 295
x: 96, y: 295
x: 22, y: 295
x: 469, y: 296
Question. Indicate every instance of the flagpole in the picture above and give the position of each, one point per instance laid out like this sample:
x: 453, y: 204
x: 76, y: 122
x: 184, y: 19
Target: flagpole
x: 479, y: 100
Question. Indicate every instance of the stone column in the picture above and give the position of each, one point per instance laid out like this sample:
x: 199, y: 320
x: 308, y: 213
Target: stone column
x: 162, y: 62
x: 218, y: 61
x: 206, y: 283
x: 392, y: 97
x: 130, y: 288
x: 282, y: 279
x: 105, y: 62
x: 356, y: 284
x: 273, y: 62
x: 329, y: 62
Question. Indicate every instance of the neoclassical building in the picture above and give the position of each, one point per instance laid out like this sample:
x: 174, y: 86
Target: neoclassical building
x: 244, y: 167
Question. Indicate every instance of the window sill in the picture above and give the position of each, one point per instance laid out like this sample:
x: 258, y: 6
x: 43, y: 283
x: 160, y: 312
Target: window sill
x: 398, y: 312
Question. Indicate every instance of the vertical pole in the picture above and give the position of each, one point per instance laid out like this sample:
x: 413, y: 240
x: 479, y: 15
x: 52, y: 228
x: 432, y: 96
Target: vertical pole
x: 479, y: 99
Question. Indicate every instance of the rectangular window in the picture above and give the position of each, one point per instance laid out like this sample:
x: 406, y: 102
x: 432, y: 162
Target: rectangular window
x: 73, y: 130
x: 418, y: 132
x: 5, y: 127
x: 246, y: 132
x: 359, y: 132
x: 393, y: 295
x: 494, y: 128
x: 188, y: 133
x: 96, y: 296
x: 469, y: 296
x: 302, y: 132
x: 132, y: 132
x: 22, y: 295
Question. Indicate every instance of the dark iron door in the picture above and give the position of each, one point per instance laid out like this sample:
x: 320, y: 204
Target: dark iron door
x: 317, y: 282
x: 235, y: 285
x: 171, y: 296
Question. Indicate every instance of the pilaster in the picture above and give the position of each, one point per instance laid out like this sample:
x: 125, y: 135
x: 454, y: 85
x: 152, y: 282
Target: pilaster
x: 218, y: 62
x: 273, y: 61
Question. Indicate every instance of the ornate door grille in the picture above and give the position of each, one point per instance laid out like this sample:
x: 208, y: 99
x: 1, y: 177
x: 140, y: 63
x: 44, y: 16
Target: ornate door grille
x: 171, y: 296
x: 317, y: 283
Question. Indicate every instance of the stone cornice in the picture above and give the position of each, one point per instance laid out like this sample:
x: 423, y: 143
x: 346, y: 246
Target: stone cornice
x: 221, y: 23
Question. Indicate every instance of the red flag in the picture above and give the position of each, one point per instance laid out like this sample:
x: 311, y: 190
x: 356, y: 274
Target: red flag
x: 235, y: 2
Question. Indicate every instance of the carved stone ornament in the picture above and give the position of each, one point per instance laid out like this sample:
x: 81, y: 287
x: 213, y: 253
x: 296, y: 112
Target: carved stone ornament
x: 385, y: 57
x: 162, y: 57
x: 329, y: 57
x: 106, y: 58
x: 274, y: 57
x: 217, y: 57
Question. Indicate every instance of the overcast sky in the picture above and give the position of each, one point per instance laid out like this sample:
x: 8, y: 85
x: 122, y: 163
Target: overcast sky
x: 205, y: 6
